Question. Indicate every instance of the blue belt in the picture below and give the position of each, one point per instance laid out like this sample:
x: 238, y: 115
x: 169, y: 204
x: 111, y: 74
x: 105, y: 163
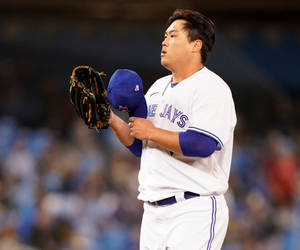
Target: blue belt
x: 172, y: 200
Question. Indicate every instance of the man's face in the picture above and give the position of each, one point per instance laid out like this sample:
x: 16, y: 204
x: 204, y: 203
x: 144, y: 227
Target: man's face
x: 176, y: 47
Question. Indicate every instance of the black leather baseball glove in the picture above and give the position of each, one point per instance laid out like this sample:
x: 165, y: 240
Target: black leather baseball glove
x: 88, y: 96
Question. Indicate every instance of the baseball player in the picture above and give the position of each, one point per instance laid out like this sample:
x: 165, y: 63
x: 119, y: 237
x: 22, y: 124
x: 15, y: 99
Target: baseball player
x: 185, y: 142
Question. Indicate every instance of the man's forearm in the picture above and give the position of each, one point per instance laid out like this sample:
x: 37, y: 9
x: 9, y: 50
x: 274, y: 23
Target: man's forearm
x: 166, y: 139
x: 143, y: 129
x: 120, y: 129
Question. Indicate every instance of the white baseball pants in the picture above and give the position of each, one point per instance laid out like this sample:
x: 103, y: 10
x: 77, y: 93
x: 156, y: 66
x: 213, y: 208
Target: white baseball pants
x: 198, y: 223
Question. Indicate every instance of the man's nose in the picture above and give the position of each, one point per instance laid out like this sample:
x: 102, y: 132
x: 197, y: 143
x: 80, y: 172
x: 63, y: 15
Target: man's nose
x: 164, y: 42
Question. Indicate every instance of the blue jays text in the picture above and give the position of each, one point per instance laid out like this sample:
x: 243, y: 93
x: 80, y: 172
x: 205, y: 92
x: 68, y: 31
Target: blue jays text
x: 171, y: 113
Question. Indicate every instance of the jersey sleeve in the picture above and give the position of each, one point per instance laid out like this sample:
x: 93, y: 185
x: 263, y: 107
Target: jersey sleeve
x: 136, y: 147
x: 213, y: 114
x: 196, y: 144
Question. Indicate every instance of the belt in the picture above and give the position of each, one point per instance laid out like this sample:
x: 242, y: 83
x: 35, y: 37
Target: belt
x: 172, y: 200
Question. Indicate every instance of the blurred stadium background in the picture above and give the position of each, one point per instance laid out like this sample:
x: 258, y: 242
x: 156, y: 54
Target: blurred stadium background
x: 64, y: 187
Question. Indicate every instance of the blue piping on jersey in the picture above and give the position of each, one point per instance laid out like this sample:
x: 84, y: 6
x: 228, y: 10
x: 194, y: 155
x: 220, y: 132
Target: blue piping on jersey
x: 174, y: 84
x: 209, y: 133
x: 213, y: 222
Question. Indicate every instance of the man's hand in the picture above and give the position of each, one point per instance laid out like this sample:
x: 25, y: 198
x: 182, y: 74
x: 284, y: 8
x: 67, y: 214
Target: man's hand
x: 141, y: 128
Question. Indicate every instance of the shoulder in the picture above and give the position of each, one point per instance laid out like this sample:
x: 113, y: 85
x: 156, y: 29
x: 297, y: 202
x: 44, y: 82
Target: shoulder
x: 162, y: 80
x: 159, y: 83
x: 210, y: 83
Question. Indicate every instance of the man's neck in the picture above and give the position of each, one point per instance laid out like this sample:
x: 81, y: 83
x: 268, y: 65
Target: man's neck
x: 180, y: 75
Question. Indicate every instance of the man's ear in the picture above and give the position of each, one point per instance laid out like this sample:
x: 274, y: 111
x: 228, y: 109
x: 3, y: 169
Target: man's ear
x: 197, y: 46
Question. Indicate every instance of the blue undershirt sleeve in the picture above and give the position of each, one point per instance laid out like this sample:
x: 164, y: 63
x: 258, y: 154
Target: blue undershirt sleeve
x: 196, y: 144
x: 136, y: 147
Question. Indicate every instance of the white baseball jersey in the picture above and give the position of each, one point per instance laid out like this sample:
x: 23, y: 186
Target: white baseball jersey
x: 203, y: 103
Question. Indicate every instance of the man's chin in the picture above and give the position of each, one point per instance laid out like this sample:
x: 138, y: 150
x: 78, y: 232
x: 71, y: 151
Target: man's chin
x: 164, y: 63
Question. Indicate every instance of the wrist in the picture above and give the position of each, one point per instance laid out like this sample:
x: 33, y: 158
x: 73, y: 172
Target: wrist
x: 111, y: 118
x: 152, y: 134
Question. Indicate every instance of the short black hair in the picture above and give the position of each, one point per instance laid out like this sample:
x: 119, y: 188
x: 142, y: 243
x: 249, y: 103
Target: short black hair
x: 199, y: 27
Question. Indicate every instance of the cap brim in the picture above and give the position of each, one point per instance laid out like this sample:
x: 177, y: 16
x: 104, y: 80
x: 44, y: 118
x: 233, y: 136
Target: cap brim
x: 141, y: 110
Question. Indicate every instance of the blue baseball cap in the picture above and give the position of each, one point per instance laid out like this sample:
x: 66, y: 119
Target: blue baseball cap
x: 125, y: 92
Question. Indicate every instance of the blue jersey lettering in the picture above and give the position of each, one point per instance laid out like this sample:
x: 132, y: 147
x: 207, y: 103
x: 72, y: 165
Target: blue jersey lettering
x: 182, y: 121
x: 163, y: 114
x: 168, y: 113
x: 152, y: 110
x: 176, y: 114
